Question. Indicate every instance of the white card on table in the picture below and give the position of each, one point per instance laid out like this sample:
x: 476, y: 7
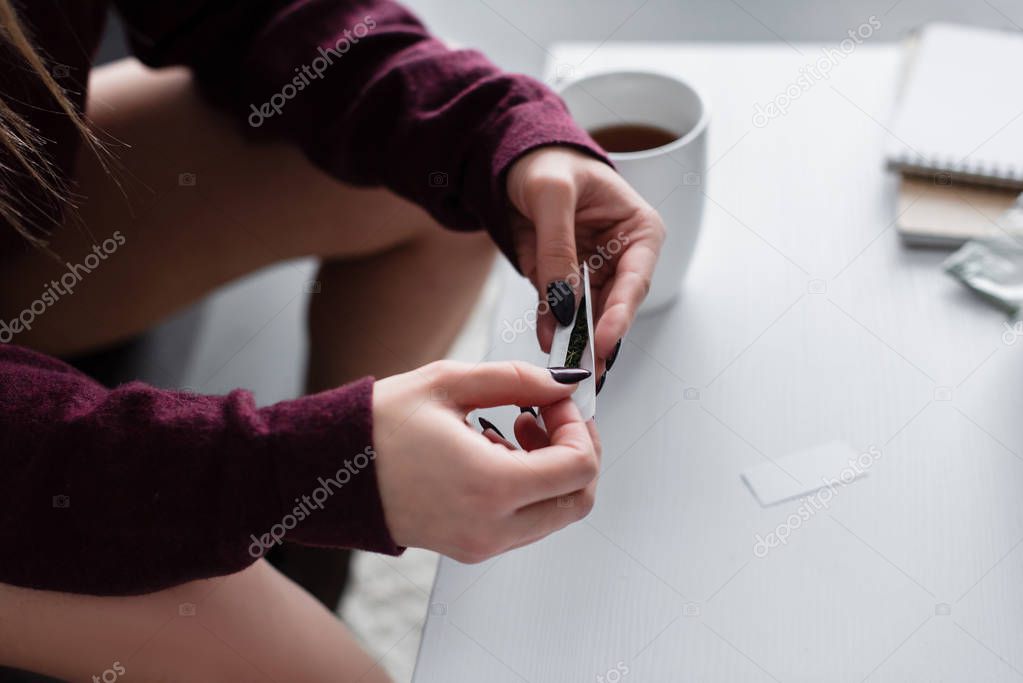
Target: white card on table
x: 803, y: 472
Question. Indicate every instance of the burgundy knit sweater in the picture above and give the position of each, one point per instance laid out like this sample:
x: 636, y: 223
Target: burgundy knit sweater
x: 135, y: 489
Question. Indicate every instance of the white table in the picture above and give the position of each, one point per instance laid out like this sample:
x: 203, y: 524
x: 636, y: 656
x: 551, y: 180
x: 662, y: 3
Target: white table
x: 803, y: 320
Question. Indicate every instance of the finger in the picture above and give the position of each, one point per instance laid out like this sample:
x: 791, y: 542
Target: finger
x: 563, y: 415
x: 495, y: 437
x: 599, y: 304
x: 552, y: 209
x: 581, y: 500
x: 591, y: 427
x: 548, y: 472
x: 545, y: 326
x: 529, y: 433
x: 505, y: 383
x: 568, y: 464
x: 628, y: 288
x: 539, y: 520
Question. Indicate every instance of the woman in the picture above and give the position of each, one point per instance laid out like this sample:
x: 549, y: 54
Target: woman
x: 132, y: 521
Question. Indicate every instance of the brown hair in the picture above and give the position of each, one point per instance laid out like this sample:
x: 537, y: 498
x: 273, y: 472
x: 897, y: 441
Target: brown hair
x: 22, y: 143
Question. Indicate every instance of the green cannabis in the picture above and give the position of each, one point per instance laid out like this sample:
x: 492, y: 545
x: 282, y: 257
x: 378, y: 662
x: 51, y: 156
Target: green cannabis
x: 579, y: 338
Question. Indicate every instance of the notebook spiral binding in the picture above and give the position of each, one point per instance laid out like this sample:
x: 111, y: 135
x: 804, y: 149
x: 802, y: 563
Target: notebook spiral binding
x: 973, y: 171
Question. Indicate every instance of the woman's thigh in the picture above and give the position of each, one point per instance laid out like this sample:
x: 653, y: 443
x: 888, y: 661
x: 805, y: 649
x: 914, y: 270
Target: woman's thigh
x: 185, y: 204
x: 255, y: 625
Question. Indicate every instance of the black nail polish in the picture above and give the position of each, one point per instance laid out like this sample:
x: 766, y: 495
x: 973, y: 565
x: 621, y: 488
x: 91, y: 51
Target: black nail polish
x: 614, y: 355
x: 528, y: 409
x: 487, y: 424
x: 569, y: 375
x: 600, y: 382
x: 561, y: 299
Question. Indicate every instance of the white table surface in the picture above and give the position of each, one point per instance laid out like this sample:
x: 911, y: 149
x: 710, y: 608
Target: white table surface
x: 914, y: 572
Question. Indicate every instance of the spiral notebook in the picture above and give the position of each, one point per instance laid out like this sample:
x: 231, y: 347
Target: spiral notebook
x: 960, y: 114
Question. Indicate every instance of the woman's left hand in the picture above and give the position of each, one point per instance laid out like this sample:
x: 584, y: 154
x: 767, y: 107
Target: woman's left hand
x: 572, y: 208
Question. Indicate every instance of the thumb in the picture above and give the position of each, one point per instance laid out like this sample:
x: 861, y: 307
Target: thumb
x: 513, y: 383
x: 553, y: 207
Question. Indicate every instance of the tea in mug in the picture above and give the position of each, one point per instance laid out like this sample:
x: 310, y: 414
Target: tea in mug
x: 631, y: 137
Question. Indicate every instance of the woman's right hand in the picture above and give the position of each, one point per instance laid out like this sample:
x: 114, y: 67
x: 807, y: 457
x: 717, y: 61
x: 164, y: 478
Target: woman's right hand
x: 446, y: 487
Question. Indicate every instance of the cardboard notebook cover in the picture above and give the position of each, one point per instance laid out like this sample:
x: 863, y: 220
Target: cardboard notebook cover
x: 939, y: 215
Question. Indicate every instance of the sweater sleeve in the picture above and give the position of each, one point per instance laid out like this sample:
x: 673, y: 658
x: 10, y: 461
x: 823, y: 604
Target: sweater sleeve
x: 367, y: 93
x: 135, y: 489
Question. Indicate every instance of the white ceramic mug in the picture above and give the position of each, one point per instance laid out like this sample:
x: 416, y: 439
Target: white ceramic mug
x: 669, y: 177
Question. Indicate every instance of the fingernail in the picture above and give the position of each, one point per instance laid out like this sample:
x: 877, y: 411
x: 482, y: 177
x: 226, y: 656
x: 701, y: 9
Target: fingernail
x: 614, y: 354
x: 487, y: 424
x: 569, y: 375
x: 600, y: 382
x: 528, y: 409
x: 561, y: 299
